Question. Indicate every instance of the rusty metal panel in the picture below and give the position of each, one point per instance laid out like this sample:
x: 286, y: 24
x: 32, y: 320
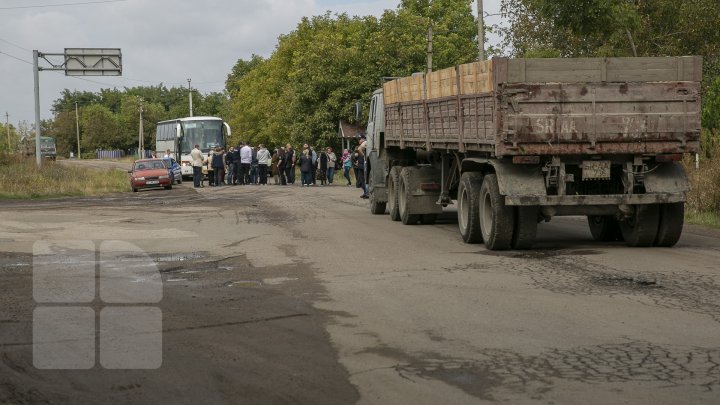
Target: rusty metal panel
x: 570, y: 118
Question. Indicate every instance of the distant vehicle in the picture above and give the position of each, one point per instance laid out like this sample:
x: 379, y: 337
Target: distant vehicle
x: 148, y: 173
x: 174, y: 169
x: 47, y: 147
x: 181, y: 135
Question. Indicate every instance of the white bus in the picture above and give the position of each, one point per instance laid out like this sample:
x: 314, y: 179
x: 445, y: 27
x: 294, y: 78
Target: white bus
x: 181, y: 135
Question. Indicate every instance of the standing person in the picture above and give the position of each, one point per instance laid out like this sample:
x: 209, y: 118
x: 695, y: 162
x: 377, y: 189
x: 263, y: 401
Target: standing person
x: 197, y: 163
x: 290, y: 164
x: 361, y: 172
x: 354, y: 158
x: 347, y: 165
x: 314, y: 157
x: 210, y: 168
x: 245, y: 162
x: 263, y: 158
x: 306, y: 168
x: 223, y: 170
x: 236, y: 164
x: 332, y: 161
x: 322, y: 167
x: 218, y: 164
x: 229, y: 161
x: 254, y: 166
x: 168, y: 155
x: 282, y: 161
x: 274, y: 165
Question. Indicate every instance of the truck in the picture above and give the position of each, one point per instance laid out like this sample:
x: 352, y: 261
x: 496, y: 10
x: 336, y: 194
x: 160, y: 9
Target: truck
x: 47, y: 147
x: 515, y: 142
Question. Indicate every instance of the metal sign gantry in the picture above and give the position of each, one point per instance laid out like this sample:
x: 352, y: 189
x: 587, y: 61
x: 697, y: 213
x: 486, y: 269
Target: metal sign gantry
x: 76, y: 62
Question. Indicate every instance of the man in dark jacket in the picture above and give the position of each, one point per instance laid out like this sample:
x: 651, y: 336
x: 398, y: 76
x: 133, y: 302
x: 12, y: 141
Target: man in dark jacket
x: 230, y: 162
x: 290, y: 164
x: 236, y: 163
x: 217, y: 165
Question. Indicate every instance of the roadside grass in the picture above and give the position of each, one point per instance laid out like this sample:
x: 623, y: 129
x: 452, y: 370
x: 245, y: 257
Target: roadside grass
x: 703, y: 200
x: 21, y: 179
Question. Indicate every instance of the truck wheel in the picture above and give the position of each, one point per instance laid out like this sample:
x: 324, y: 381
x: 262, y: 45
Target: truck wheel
x: 604, y: 228
x: 393, y: 180
x: 376, y: 207
x: 641, y: 229
x: 526, y: 222
x: 469, y: 207
x: 497, y: 220
x: 429, y: 219
x: 403, y: 193
x: 672, y: 217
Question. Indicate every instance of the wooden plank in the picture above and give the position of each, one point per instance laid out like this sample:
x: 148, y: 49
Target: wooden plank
x: 476, y: 78
x: 441, y: 83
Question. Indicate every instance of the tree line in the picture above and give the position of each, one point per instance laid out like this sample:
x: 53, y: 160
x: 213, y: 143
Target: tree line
x: 317, y: 72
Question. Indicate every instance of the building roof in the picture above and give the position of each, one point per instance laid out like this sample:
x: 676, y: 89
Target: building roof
x: 347, y: 130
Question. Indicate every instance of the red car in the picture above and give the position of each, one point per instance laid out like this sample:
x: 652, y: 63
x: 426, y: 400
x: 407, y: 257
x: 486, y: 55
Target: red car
x: 148, y: 173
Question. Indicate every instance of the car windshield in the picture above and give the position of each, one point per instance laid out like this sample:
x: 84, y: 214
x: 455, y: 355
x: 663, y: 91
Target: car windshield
x: 150, y: 165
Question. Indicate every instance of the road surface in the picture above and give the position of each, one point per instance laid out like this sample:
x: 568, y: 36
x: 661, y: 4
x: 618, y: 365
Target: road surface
x: 288, y: 294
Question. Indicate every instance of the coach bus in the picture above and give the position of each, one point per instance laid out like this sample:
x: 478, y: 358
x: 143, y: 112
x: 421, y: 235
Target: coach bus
x: 181, y: 135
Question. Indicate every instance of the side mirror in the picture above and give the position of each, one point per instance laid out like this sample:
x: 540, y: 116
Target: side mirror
x: 358, y: 110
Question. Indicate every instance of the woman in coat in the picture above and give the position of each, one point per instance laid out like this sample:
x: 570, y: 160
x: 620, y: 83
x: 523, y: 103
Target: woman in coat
x: 306, y: 168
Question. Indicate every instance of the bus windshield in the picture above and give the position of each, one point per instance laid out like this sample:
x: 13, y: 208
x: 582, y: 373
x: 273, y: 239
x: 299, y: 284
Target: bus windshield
x: 207, y: 134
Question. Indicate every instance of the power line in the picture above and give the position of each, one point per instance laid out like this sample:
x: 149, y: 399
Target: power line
x: 16, y: 58
x: 63, y: 4
x: 15, y: 45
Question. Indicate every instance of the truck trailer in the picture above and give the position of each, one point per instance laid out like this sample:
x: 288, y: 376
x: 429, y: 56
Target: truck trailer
x: 515, y: 142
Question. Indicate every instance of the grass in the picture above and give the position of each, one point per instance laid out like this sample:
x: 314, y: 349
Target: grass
x: 703, y: 200
x: 21, y: 179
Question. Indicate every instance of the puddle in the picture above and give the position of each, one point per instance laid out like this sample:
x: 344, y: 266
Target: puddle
x: 179, y: 257
x: 243, y: 283
x: 278, y: 280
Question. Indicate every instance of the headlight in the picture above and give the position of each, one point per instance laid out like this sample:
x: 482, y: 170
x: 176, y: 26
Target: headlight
x: 186, y: 163
x: 164, y: 177
x: 140, y: 178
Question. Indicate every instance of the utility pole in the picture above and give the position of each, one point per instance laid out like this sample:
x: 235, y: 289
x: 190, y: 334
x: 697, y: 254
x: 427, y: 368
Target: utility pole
x: 190, y: 96
x: 77, y: 128
x: 7, y: 126
x: 36, y: 73
x: 481, y: 31
x: 430, y: 49
x: 141, y: 135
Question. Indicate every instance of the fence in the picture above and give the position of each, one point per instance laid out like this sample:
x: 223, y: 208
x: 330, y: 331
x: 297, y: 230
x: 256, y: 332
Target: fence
x: 117, y: 154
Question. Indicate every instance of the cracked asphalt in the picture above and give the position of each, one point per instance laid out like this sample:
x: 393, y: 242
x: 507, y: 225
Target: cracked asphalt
x: 300, y: 295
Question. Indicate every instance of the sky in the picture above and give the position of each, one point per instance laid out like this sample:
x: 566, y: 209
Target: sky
x: 162, y: 41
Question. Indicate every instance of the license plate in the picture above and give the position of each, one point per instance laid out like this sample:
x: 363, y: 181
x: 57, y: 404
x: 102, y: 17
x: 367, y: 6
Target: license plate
x: 596, y: 170
x: 153, y: 182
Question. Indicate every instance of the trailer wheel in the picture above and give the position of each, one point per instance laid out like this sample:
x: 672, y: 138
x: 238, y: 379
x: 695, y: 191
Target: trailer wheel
x: 497, y: 220
x: 604, y: 228
x: 404, y: 199
x: 376, y: 207
x: 393, y: 180
x: 641, y: 229
x: 672, y: 218
x: 469, y: 207
x: 526, y: 223
x: 429, y: 219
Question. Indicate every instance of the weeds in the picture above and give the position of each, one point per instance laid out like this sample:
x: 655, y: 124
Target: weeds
x: 22, y: 179
x: 703, y: 200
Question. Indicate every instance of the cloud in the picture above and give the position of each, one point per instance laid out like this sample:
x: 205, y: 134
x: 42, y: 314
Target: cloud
x: 164, y: 41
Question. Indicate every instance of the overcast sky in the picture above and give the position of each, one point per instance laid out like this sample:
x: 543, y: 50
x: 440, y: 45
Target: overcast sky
x: 162, y: 41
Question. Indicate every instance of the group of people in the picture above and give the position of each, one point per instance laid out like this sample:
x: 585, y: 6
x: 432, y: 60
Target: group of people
x: 246, y: 164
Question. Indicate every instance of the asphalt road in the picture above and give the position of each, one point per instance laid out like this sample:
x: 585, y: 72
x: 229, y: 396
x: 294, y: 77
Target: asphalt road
x: 300, y: 295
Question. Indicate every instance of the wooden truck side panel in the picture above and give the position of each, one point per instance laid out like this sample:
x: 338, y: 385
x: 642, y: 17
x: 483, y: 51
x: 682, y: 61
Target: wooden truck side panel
x: 550, y: 106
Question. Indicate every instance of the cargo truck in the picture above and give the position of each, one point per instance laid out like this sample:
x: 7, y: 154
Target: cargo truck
x: 515, y: 142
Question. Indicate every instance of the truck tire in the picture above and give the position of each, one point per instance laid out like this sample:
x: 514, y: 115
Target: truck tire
x: 497, y: 220
x: 526, y: 223
x: 393, y: 180
x: 604, y: 228
x: 403, y: 195
x: 469, y: 207
x: 672, y: 218
x: 641, y: 229
x: 376, y: 207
